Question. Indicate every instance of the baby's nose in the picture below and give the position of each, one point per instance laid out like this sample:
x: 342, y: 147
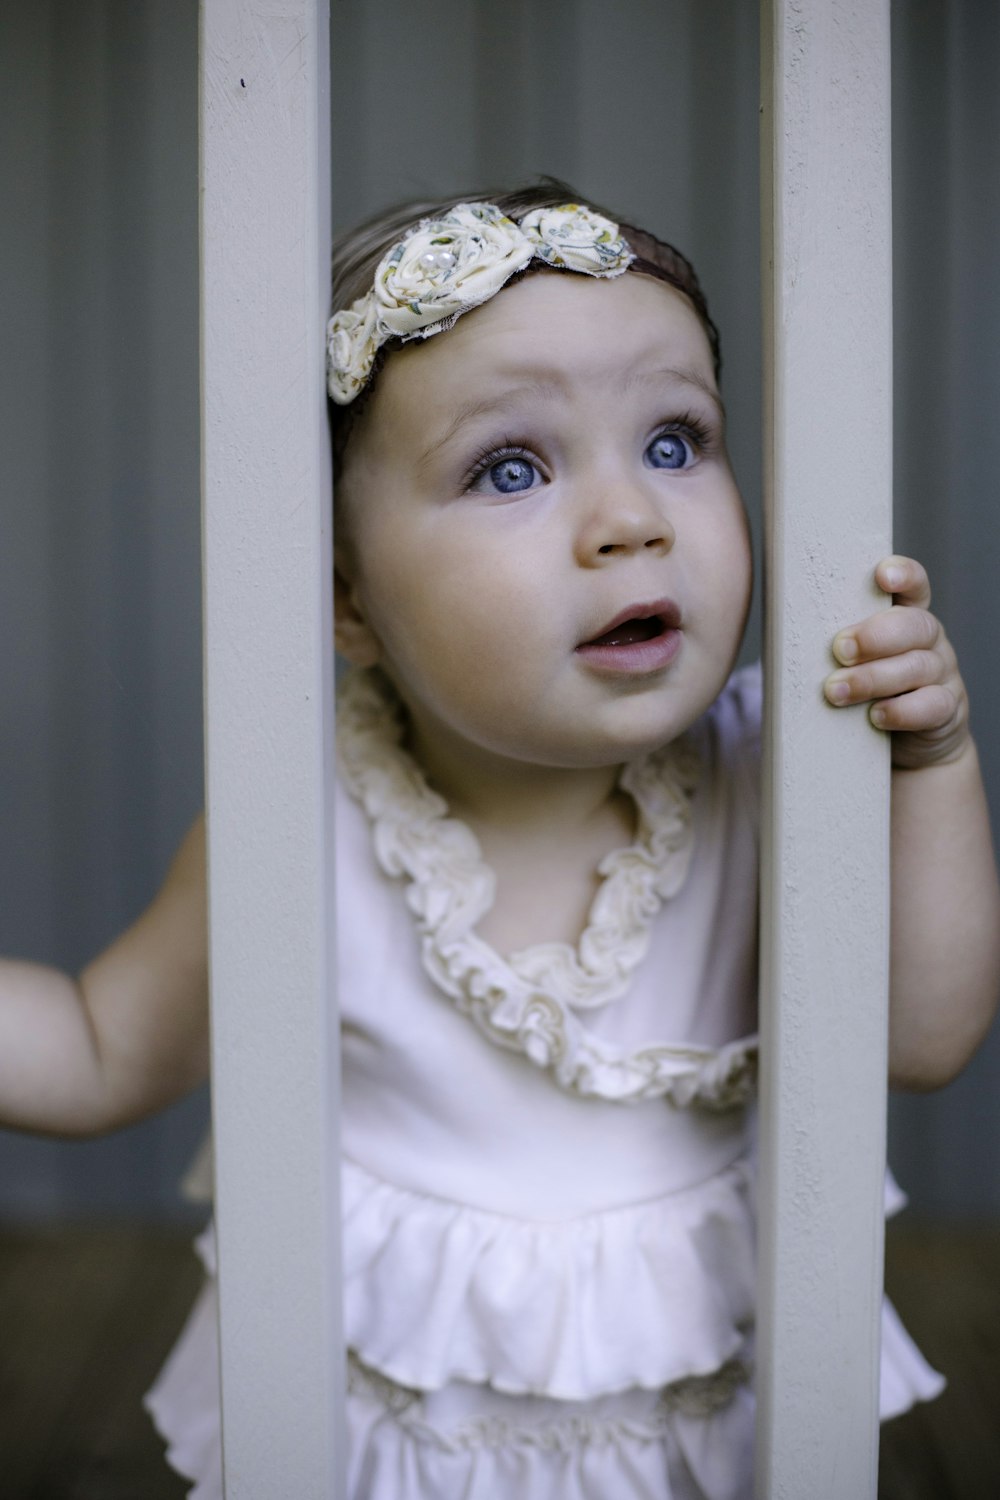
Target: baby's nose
x: 625, y: 523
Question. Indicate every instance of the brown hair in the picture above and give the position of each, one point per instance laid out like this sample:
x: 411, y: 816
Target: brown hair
x: 357, y: 254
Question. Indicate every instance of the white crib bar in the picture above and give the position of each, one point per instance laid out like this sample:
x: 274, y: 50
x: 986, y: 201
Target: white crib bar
x: 265, y: 227
x: 265, y: 289
x: 827, y: 320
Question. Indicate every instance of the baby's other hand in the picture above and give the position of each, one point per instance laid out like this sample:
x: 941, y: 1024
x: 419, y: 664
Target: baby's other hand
x: 902, y: 663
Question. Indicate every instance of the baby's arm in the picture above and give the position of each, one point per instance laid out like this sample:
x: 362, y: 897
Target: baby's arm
x: 945, y: 931
x: 78, y: 1056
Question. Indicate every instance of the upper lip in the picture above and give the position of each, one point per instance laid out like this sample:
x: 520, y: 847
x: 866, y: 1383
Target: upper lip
x: 665, y: 610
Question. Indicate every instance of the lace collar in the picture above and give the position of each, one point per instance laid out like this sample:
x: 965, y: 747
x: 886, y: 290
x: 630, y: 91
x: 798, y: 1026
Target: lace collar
x: 531, y: 1001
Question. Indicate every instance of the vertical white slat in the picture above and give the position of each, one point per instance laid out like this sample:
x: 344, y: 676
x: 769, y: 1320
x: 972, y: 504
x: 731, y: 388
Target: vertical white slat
x: 824, y: 973
x: 265, y: 293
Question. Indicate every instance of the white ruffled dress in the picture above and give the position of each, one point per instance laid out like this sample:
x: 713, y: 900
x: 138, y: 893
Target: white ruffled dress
x: 547, y: 1179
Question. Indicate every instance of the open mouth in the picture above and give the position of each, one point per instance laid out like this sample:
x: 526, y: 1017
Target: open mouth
x: 642, y: 638
x: 638, y: 628
x: 638, y: 623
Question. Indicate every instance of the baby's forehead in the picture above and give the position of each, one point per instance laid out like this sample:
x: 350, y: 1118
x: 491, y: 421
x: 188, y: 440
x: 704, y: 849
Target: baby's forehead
x: 626, y: 297
x: 563, y: 328
x: 552, y: 346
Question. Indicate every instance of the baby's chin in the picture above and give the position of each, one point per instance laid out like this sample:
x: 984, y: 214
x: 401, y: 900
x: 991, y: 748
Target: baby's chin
x: 629, y: 729
x: 610, y: 746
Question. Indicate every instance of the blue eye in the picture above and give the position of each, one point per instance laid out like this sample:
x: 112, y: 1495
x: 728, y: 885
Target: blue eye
x: 507, y: 476
x: 669, y: 451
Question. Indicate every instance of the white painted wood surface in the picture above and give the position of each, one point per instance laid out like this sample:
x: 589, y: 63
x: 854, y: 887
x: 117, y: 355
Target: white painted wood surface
x: 825, y: 878
x: 265, y: 292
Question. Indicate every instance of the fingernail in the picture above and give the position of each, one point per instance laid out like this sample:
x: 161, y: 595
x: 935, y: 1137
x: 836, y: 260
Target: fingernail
x: 845, y: 648
x: 894, y: 578
x: 878, y: 717
x: 838, y: 690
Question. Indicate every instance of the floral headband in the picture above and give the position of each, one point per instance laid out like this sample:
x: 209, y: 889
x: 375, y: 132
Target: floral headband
x: 443, y: 267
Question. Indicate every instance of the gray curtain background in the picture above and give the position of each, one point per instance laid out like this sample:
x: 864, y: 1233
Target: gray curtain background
x: 649, y: 106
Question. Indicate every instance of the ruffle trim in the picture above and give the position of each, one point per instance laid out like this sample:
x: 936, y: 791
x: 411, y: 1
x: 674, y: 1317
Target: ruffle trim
x: 528, y: 1003
x: 692, y: 1442
x: 185, y: 1402
x: 688, y: 1434
x: 645, y: 1295
x: 583, y: 1422
x: 905, y: 1377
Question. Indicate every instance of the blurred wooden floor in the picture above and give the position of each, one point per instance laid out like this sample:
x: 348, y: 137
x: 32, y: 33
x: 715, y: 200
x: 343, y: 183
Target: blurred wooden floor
x: 87, y: 1315
x: 946, y: 1287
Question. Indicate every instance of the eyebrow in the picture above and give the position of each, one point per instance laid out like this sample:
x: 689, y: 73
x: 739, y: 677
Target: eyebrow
x: 489, y: 405
x: 684, y: 377
x: 535, y: 389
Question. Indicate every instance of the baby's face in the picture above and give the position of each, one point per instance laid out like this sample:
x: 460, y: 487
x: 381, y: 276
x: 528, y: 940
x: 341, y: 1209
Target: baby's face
x: 546, y: 548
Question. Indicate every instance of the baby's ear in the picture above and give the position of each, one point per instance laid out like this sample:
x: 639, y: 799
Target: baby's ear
x: 352, y: 635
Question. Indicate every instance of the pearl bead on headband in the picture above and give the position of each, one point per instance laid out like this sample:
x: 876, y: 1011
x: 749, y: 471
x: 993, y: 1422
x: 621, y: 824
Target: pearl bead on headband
x: 443, y: 267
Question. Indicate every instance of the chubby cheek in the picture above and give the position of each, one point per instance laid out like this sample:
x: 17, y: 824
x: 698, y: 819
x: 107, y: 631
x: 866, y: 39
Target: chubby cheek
x: 725, y: 569
x: 447, y: 624
x: 735, y: 588
x: 742, y: 585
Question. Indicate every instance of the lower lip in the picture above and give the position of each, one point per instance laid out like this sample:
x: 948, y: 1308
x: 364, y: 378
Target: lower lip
x: 638, y: 656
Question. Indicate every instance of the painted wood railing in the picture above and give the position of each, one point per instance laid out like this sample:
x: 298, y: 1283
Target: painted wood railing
x: 265, y: 146
x: 824, y: 928
x: 265, y: 218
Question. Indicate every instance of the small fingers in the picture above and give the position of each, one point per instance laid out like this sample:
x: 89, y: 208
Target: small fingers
x: 905, y: 579
x: 927, y: 709
x: 901, y: 664
x: 884, y: 678
x: 888, y: 633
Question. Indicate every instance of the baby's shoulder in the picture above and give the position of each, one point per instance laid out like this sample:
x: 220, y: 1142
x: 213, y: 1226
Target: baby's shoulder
x: 732, y: 723
x: 727, y: 738
x: 737, y: 709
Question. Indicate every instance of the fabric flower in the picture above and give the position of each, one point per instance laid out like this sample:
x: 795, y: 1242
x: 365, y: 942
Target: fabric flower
x: 444, y: 267
x: 351, y: 346
x: 577, y: 239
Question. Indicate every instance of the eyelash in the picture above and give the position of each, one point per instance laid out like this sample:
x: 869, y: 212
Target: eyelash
x: 688, y: 425
x: 490, y: 455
